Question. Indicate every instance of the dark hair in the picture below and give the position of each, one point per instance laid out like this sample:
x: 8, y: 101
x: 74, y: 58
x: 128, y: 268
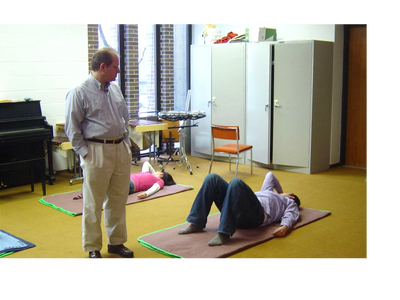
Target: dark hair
x: 103, y: 55
x: 168, y: 180
x: 296, y: 199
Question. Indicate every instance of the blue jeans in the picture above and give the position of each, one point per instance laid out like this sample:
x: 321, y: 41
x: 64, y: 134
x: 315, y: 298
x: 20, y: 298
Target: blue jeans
x: 239, y: 206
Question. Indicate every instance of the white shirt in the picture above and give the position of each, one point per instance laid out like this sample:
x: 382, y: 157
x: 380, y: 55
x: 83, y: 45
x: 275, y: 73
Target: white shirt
x: 276, y: 206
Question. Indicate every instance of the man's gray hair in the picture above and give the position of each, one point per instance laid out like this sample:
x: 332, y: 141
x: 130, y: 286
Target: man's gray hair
x: 103, y: 55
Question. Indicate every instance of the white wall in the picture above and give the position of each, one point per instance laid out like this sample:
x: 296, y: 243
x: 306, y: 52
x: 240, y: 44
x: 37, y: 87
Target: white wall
x: 42, y: 62
x: 326, y: 32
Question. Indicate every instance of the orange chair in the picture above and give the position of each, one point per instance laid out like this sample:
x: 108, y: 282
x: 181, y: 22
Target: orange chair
x: 170, y: 136
x: 229, y: 133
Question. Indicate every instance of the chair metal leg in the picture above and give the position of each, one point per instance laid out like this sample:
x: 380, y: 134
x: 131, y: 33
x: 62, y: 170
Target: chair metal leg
x: 237, y: 164
x: 251, y: 157
x: 212, y: 158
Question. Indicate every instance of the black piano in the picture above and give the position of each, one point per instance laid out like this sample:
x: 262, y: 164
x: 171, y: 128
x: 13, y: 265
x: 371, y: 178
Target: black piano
x: 25, y: 143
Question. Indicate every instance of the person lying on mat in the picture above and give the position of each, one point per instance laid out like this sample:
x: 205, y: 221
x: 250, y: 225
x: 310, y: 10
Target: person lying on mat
x: 241, y: 208
x: 149, y: 181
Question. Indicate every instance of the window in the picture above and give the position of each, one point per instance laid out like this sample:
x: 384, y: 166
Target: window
x: 147, y: 67
x: 154, y: 64
x: 174, y: 66
x: 108, y: 37
x: 181, y: 65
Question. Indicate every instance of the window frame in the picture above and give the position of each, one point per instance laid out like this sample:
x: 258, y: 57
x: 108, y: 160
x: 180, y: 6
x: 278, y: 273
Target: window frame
x: 124, y: 32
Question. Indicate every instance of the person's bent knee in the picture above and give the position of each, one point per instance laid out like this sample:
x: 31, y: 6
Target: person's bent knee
x: 236, y: 181
x: 212, y: 176
x: 213, y: 179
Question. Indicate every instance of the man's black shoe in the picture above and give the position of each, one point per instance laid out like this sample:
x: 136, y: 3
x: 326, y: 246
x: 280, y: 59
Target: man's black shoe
x: 95, y: 254
x: 121, y: 250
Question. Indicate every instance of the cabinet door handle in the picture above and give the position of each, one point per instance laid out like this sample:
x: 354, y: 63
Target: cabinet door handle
x: 266, y: 106
x: 276, y: 105
x: 212, y: 101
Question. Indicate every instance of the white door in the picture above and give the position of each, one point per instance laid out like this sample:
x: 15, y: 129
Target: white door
x: 258, y: 97
x: 201, y: 98
x: 228, y: 86
x: 292, y: 104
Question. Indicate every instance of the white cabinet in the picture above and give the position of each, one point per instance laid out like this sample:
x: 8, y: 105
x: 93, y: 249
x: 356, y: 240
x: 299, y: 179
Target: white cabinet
x: 228, y: 85
x: 218, y: 88
x: 302, y: 106
x: 280, y: 95
x: 200, y: 90
x: 258, y: 100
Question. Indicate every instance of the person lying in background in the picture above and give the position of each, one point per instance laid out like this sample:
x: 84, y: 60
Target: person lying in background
x: 149, y: 181
x: 241, y: 208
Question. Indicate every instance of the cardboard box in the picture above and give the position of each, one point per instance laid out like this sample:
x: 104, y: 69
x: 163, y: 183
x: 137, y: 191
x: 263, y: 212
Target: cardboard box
x: 267, y: 34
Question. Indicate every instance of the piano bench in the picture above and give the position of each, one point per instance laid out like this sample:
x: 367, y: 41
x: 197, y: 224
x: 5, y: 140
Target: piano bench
x: 31, y: 164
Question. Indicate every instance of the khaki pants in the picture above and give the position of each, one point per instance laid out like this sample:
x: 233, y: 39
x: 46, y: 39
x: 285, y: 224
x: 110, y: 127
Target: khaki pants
x: 106, y: 171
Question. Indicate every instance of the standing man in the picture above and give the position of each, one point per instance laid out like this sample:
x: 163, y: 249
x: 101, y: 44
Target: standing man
x: 96, y: 124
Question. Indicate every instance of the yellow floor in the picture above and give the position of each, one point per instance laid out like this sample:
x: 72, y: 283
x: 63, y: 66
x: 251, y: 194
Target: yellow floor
x: 340, y: 190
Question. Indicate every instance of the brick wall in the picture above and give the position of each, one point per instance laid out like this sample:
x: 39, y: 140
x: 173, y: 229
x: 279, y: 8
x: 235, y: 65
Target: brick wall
x: 131, y: 64
x: 167, y: 66
x: 93, y: 41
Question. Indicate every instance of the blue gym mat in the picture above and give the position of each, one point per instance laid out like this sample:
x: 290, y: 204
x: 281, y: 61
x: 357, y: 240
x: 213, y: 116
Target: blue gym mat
x: 9, y: 244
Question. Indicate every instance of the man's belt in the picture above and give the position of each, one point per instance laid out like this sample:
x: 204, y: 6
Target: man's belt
x: 113, y: 141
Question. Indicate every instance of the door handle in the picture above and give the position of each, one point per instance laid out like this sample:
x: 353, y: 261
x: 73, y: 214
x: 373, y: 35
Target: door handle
x: 212, y: 101
x: 276, y: 103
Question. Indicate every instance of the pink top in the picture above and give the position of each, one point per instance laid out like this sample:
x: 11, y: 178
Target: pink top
x: 144, y: 180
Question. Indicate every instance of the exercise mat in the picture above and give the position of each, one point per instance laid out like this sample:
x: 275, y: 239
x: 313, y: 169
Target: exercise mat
x: 65, y: 203
x: 195, y: 245
x: 9, y: 244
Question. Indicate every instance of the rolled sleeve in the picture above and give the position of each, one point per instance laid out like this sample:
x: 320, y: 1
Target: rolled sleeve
x: 291, y: 215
